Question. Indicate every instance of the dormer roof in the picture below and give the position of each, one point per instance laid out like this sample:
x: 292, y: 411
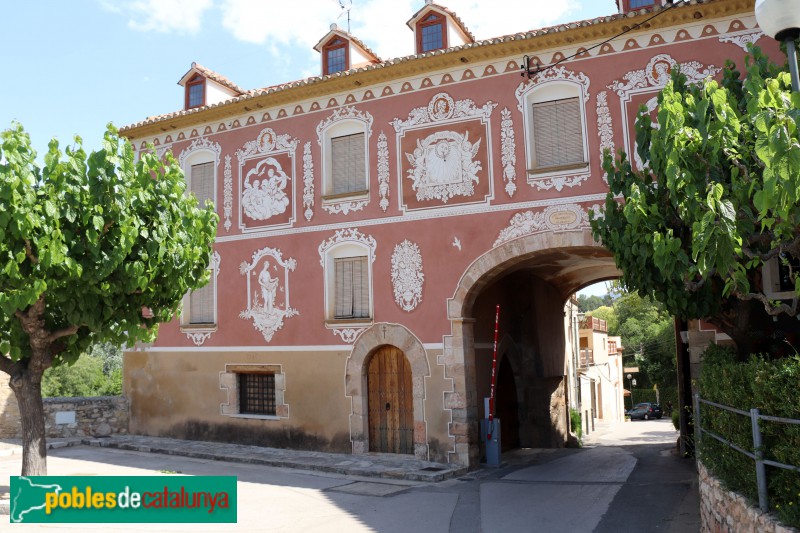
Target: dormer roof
x: 451, y: 15
x: 209, y: 74
x: 336, y: 31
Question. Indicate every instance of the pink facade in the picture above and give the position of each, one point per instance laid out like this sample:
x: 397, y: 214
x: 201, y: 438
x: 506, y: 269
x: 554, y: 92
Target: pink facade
x: 456, y: 214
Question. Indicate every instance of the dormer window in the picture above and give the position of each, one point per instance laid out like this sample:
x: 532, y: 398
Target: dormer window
x: 335, y: 55
x: 196, y: 92
x: 431, y: 33
x: 632, y: 5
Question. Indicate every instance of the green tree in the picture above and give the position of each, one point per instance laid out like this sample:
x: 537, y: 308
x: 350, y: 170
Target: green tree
x: 98, y: 372
x: 647, y: 330
x: 590, y: 303
x: 718, y: 197
x: 88, y: 242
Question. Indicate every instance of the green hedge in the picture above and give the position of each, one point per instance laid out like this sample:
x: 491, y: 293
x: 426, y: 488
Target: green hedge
x: 773, y: 388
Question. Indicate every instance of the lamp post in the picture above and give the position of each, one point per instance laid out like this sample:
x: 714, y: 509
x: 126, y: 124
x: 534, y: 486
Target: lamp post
x: 780, y: 19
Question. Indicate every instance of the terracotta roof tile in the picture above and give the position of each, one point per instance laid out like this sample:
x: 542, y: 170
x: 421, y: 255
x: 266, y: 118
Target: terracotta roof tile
x: 247, y: 95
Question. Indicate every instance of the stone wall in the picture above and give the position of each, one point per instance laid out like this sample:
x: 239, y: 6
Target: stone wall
x: 99, y: 416
x: 723, y: 511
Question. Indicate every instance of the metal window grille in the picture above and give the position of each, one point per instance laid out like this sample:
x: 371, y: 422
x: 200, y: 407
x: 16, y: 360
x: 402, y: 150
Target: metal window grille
x: 348, y: 163
x: 257, y: 394
x: 351, y: 298
x: 557, y: 133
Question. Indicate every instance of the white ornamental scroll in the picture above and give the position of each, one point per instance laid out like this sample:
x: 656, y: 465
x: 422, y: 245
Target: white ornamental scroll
x: 264, y: 285
x: 407, y: 276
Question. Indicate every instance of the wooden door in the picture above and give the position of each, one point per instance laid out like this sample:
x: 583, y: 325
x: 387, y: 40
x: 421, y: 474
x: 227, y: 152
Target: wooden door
x: 391, y: 410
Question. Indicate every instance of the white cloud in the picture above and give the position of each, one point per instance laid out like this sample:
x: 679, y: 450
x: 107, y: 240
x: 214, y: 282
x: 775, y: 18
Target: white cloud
x: 163, y: 16
x: 380, y: 24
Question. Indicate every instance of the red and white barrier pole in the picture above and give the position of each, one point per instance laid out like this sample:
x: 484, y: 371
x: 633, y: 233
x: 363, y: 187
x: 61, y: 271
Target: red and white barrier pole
x: 494, y: 373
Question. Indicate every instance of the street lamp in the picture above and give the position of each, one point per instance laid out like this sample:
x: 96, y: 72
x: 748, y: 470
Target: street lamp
x: 780, y: 19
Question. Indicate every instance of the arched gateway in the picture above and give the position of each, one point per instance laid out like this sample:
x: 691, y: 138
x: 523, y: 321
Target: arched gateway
x: 531, y: 277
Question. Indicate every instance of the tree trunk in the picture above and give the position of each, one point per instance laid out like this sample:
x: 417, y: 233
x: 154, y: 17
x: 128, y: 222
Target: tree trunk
x: 27, y: 387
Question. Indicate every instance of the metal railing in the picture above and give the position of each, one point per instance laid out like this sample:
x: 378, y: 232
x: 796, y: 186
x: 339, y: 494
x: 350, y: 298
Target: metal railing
x: 758, y: 454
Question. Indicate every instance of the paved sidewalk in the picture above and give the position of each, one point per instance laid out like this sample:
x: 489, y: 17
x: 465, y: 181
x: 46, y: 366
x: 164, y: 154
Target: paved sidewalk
x: 387, y: 466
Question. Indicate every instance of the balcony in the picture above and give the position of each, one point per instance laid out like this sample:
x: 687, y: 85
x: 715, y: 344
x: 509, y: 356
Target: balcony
x: 594, y: 324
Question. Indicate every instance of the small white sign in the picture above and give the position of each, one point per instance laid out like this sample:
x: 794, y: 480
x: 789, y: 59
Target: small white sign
x: 65, y: 417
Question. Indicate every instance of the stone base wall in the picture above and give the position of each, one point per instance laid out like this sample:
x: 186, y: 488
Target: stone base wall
x: 723, y: 511
x: 99, y: 416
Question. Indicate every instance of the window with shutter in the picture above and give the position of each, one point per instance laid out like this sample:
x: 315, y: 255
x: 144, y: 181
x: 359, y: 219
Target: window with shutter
x: 348, y: 164
x: 557, y: 133
x: 201, y: 301
x: 351, y: 294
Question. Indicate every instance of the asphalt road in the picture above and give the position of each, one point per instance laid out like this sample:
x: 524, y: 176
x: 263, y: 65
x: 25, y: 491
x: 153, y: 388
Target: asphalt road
x: 627, y: 478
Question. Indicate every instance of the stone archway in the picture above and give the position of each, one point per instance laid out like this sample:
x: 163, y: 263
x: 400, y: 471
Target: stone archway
x: 355, y: 380
x: 568, y: 259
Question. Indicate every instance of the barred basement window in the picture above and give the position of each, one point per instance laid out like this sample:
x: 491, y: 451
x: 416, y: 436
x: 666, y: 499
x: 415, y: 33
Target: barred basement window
x: 256, y: 394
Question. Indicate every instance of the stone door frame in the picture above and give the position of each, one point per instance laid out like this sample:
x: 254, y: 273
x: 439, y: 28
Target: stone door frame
x: 355, y: 382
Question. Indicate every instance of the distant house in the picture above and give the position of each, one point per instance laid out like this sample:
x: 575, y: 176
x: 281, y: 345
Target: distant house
x: 600, y: 371
x: 374, y: 216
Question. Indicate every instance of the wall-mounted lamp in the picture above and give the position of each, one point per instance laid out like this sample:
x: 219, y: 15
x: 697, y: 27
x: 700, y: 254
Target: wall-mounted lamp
x: 780, y: 19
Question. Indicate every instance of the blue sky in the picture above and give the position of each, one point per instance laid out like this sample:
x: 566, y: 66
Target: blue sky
x: 70, y: 67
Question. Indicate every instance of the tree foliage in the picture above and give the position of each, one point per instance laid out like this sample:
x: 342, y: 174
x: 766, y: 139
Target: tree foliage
x: 718, y: 197
x: 87, y: 241
x: 95, y: 373
x: 592, y: 302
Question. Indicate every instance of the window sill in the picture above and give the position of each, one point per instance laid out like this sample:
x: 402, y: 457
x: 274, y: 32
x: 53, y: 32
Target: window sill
x: 558, y: 168
x: 348, y: 322
x: 198, y: 328
x: 345, y: 196
x: 256, y: 417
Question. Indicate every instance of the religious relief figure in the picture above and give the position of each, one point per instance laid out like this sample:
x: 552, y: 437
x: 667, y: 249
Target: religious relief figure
x: 266, y: 196
x: 443, y: 166
x: 263, y: 288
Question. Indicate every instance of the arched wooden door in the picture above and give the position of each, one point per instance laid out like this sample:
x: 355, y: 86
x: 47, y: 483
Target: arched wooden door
x: 391, y: 408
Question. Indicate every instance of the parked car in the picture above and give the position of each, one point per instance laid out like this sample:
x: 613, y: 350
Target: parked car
x: 645, y: 411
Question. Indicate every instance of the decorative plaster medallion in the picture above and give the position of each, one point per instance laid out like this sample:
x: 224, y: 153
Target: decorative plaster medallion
x: 200, y: 144
x: 605, y: 129
x: 555, y: 218
x: 443, y: 166
x: 657, y: 74
x: 227, y: 193
x: 199, y: 338
x: 308, y: 181
x: 263, y: 307
x: 442, y: 108
x: 383, y: 171
x: 347, y: 235
x: 267, y: 142
x: 407, y: 276
x: 743, y: 38
x: 260, y: 202
x: 509, y: 150
x: 349, y: 335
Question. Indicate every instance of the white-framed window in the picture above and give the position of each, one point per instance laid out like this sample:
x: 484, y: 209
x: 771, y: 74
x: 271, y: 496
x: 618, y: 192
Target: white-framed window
x: 199, y: 163
x: 344, y: 138
x: 348, y: 283
x: 555, y: 127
